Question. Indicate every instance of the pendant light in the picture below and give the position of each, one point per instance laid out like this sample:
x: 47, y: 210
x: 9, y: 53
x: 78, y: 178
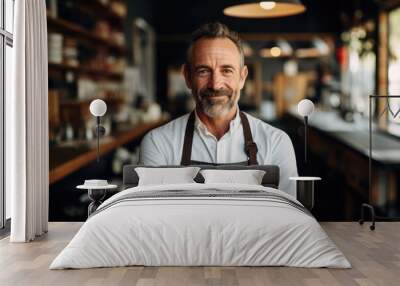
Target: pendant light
x: 265, y: 9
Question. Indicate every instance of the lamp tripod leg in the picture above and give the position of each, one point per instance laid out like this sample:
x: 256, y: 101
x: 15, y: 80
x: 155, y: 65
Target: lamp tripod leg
x: 372, y: 211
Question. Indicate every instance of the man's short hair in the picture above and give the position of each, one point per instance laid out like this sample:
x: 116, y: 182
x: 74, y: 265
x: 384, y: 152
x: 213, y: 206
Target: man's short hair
x: 212, y: 31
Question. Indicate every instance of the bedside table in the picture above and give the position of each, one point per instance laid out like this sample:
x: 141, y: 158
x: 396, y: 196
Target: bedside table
x: 305, y: 190
x: 96, y: 195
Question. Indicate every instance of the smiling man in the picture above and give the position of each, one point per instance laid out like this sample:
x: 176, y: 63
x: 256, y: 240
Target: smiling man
x: 217, y: 132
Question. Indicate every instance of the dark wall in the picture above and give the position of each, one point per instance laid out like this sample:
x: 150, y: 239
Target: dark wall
x: 168, y: 53
x: 138, y: 9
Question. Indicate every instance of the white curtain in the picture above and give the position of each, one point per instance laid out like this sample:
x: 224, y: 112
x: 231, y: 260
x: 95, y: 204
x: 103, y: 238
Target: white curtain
x: 27, y: 150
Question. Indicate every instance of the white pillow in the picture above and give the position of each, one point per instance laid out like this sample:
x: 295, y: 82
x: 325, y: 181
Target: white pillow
x: 249, y: 177
x: 163, y: 176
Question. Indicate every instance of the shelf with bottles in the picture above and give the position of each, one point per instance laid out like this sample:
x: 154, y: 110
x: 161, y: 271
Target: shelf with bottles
x: 86, y: 38
x: 69, y: 103
x: 115, y: 11
x: 112, y: 40
x: 82, y: 70
x: 67, y: 53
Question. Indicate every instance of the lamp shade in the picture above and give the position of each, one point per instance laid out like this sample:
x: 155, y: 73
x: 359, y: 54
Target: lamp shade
x: 305, y: 107
x: 265, y: 9
x: 98, y: 107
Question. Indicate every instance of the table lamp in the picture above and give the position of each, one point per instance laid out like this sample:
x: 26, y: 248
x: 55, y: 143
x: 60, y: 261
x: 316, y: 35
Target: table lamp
x: 98, y: 108
x: 97, y: 189
x: 305, y: 185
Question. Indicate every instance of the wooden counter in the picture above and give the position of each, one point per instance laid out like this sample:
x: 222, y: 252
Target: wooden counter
x: 341, y: 149
x: 66, y: 160
x: 355, y: 135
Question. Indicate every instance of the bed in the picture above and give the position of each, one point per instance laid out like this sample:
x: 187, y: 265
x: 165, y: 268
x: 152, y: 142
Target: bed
x: 201, y: 224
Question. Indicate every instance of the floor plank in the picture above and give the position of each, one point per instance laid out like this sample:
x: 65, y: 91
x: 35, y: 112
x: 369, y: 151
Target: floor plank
x: 375, y: 257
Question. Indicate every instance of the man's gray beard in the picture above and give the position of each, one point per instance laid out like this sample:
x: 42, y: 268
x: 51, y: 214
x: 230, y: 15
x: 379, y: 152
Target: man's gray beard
x: 217, y: 109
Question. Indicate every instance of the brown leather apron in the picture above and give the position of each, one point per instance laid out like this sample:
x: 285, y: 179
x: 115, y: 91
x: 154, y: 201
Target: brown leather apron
x: 250, y: 146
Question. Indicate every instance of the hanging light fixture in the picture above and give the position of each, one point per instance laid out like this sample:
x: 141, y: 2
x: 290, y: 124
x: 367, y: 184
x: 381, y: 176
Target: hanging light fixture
x: 265, y: 9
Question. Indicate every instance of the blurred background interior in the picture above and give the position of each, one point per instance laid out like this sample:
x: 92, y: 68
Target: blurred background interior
x: 129, y: 53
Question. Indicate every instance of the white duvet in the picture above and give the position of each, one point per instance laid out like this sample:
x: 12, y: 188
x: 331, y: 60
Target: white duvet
x: 200, y: 231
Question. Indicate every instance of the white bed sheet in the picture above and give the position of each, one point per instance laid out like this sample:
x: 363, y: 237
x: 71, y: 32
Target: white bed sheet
x: 200, y: 231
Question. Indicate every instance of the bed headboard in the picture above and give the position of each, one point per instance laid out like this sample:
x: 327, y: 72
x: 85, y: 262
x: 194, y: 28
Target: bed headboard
x: 270, y: 179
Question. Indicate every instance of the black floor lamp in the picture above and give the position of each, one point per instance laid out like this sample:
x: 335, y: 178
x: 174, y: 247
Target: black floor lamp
x: 369, y: 206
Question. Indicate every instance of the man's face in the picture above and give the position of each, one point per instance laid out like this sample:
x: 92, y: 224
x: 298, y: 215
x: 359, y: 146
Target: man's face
x: 215, y: 76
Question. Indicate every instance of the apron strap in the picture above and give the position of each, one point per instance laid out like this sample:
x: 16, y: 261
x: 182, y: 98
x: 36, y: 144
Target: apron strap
x: 250, y: 146
x: 188, y: 141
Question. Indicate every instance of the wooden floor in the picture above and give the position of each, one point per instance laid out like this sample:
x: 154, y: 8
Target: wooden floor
x: 375, y: 256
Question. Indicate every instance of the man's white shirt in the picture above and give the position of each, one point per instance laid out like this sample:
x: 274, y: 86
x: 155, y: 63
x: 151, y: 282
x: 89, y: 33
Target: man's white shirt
x: 164, y: 145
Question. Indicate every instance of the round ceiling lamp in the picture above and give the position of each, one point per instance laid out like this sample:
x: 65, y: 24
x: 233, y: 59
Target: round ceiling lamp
x: 265, y: 9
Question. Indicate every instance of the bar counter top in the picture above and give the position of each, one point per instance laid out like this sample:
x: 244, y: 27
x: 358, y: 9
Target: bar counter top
x: 386, y: 148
